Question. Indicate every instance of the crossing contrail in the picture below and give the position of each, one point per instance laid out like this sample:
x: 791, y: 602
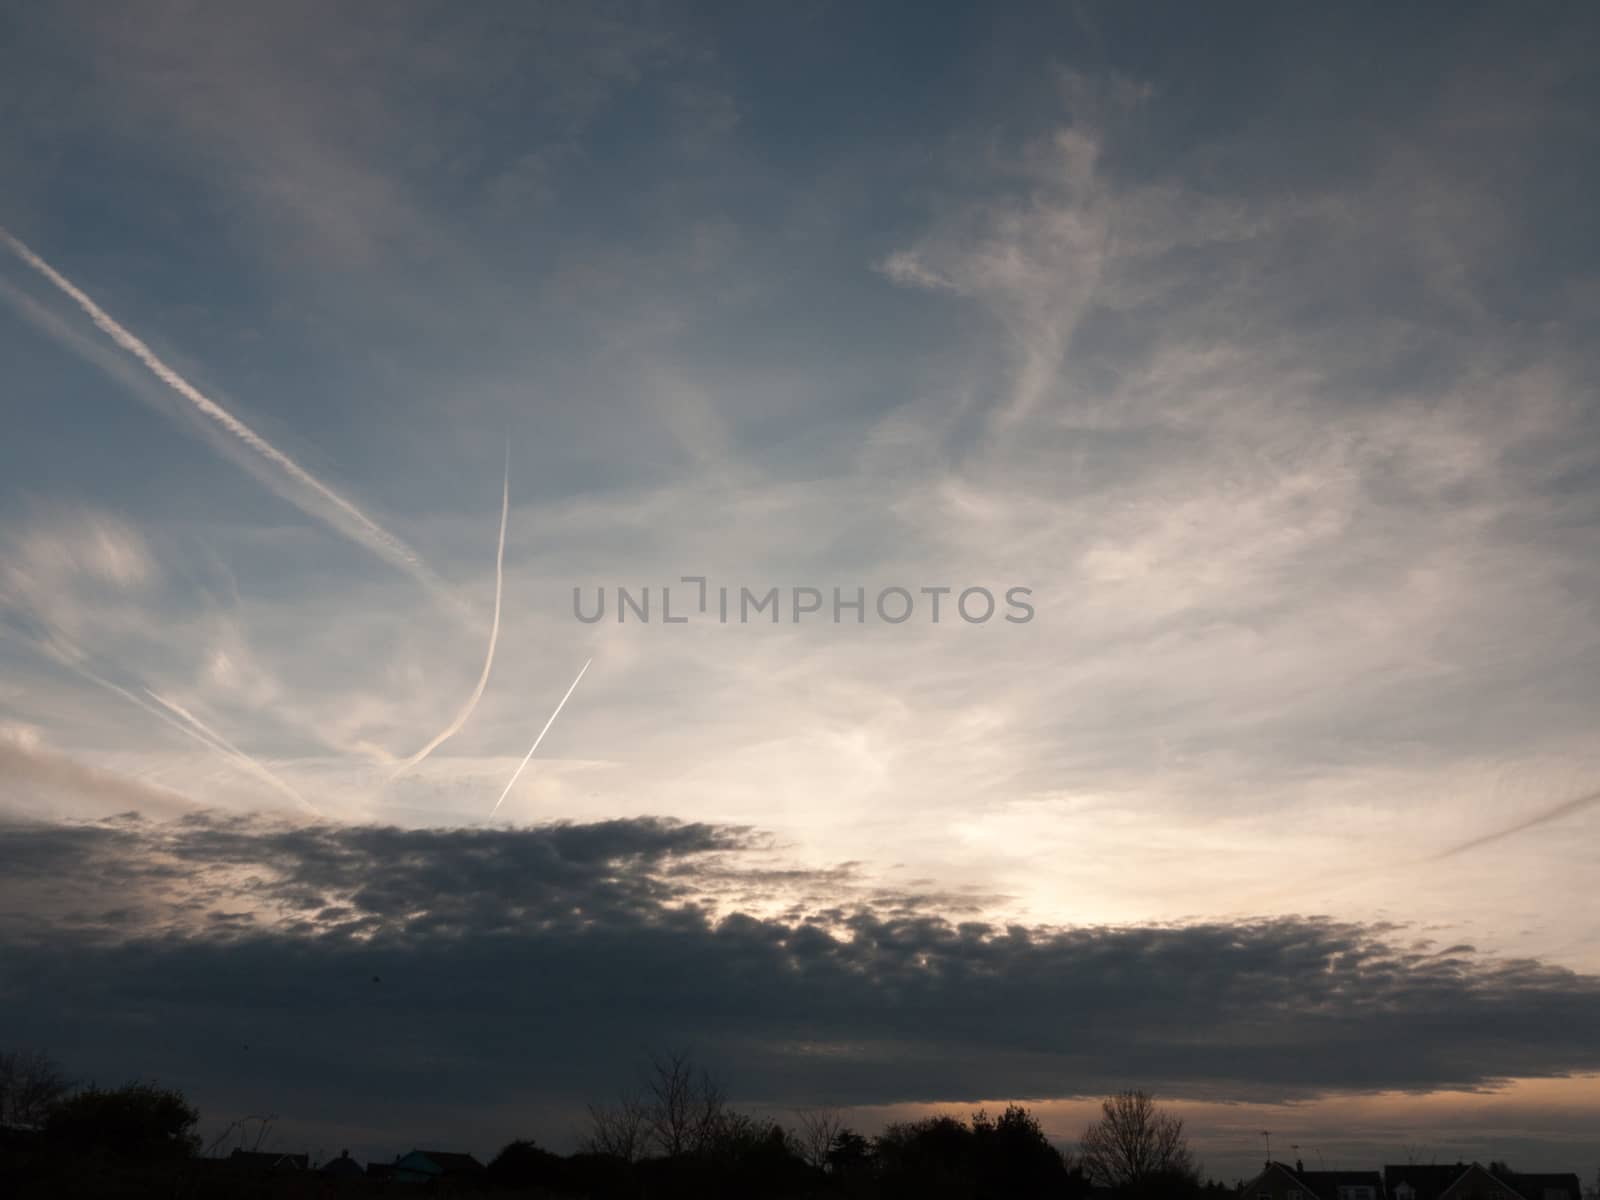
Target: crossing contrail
x: 222, y: 744
x: 454, y: 727
x: 311, y: 495
x: 132, y: 698
x: 63, y: 651
x: 515, y: 775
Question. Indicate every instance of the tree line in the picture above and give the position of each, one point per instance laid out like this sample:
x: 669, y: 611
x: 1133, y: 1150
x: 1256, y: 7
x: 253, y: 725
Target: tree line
x: 674, y: 1135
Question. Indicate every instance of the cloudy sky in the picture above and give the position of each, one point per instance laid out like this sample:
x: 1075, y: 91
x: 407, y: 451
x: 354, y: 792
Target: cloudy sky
x: 1254, y: 341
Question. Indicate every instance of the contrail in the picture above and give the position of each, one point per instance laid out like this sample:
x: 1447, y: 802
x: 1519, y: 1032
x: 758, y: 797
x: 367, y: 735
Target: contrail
x: 454, y: 727
x: 117, y: 689
x: 69, y: 656
x: 239, y: 756
x: 515, y: 775
x: 1366, y: 874
x: 344, y: 516
x: 62, y: 650
x: 1564, y: 809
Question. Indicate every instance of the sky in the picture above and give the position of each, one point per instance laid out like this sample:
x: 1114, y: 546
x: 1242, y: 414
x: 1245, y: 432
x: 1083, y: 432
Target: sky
x: 350, y: 354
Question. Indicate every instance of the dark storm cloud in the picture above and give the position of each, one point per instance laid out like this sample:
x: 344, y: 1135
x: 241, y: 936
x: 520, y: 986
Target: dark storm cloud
x: 366, y: 879
x: 335, y: 965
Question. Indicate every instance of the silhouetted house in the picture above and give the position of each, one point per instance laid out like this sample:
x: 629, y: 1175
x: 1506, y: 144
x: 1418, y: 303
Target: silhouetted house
x: 425, y: 1166
x: 343, y: 1167
x: 1280, y: 1181
x: 384, y: 1171
x: 1472, y: 1181
x: 267, y: 1161
x: 1543, y: 1185
x: 1421, y: 1181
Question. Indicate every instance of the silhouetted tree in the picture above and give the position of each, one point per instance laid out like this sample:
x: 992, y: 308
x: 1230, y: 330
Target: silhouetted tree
x: 684, y: 1106
x: 756, y: 1157
x: 931, y: 1159
x: 601, y: 1177
x: 991, y: 1158
x: 677, y: 1137
x: 734, y: 1134
x: 1015, y: 1160
x: 31, y: 1084
x: 140, y: 1121
x: 619, y: 1130
x: 1138, y: 1150
x: 240, y: 1131
x: 850, y: 1154
x: 524, y: 1164
x: 814, y: 1132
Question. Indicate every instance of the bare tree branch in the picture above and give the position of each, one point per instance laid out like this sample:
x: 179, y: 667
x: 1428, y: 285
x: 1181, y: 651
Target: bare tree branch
x: 619, y: 1130
x: 815, y: 1132
x: 1134, y: 1142
x: 685, y: 1108
x: 31, y: 1084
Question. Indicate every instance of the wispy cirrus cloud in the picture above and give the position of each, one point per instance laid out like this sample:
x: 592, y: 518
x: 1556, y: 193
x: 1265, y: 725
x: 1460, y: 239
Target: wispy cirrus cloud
x: 41, y: 782
x: 304, y: 489
x: 1291, y: 436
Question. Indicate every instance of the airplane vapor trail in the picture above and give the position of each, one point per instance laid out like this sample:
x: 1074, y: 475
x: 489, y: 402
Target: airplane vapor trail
x: 166, y: 718
x: 1343, y: 879
x: 254, y: 766
x: 333, y: 508
x: 454, y: 727
x: 517, y: 774
x: 1564, y: 809
x: 62, y: 651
